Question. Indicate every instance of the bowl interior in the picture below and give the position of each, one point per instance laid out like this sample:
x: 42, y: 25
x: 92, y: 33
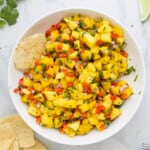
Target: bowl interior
x: 128, y: 109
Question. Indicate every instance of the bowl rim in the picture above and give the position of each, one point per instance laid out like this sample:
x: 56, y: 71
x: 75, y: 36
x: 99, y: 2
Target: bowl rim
x: 69, y: 9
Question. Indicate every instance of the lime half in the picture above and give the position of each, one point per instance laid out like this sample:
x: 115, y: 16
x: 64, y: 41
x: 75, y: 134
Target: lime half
x: 144, y: 9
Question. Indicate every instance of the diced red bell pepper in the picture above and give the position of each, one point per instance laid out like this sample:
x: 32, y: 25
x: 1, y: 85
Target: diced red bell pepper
x: 113, y: 97
x: 38, y: 119
x: 48, y: 31
x: 71, y: 49
x: 99, y: 108
x: 86, y: 88
x: 69, y: 74
x: 59, y: 47
x: 124, y: 53
x: 114, y: 83
x: 59, y: 90
x: 83, y: 50
x: 58, y: 26
x: 114, y: 35
x: 21, y: 82
x: 99, y: 43
x: 100, y: 94
x: 124, y: 96
x: 16, y: 90
x: 37, y: 63
x: 62, y: 55
x: 102, y: 126
x: 69, y: 84
x: 71, y: 39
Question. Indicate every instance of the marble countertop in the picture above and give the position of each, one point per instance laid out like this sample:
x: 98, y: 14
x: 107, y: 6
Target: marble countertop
x: 127, y: 12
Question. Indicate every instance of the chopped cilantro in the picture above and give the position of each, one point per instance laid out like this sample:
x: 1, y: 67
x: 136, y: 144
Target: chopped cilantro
x: 101, y: 74
x: 120, y: 47
x: 45, y: 103
x: 82, y: 24
x: 112, y: 67
x: 2, y: 23
x: 95, y: 81
x: 9, y: 14
x: 83, y: 33
x: 1, y: 2
x: 60, y: 120
x: 107, y: 122
x: 92, y: 32
x: 92, y: 56
x: 12, y: 3
x: 75, y: 46
x: 136, y: 77
x: 64, y: 50
x: 62, y: 113
x: 130, y: 70
x: 67, y: 94
x: 43, y: 66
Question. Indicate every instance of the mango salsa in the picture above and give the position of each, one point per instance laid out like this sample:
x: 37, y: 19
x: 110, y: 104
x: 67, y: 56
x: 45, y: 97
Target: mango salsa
x: 76, y: 87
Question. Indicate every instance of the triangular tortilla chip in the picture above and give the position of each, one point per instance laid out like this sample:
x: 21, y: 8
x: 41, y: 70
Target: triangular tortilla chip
x: 14, y: 145
x: 23, y: 132
x: 7, y: 136
x: 37, y: 146
x: 29, y: 50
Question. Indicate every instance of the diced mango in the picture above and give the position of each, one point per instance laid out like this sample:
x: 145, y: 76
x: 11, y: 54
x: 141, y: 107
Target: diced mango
x: 34, y: 111
x: 74, y: 125
x: 47, y: 121
x: 50, y: 95
x: 118, y: 30
x: 115, y: 113
x: 106, y: 37
x: 88, y: 39
x: 72, y: 25
x: 27, y: 82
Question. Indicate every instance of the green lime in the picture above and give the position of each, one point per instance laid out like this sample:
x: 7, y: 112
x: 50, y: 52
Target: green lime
x: 144, y: 9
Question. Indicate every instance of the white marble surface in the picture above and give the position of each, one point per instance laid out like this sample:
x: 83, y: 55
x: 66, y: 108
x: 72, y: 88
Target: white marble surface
x: 127, y: 12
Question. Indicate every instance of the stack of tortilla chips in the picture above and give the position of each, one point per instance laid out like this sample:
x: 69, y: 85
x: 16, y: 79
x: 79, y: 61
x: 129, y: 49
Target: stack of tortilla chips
x: 16, y: 135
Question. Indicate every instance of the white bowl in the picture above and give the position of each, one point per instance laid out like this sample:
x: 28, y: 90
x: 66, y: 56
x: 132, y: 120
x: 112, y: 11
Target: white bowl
x: 128, y: 109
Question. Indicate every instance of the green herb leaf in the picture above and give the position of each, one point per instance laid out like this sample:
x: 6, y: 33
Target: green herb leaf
x: 92, y: 32
x: 136, y: 77
x: 12, y: 3
x: 101, y: 74
x: 2, y: 23
x: 1, y: 2
x: 83, y: 33
x: 45, y: 103
x: 82, y: 24
x: 43, y: 66
x: 92, y: 56
x: 130, y: 70
x: 9, y: 14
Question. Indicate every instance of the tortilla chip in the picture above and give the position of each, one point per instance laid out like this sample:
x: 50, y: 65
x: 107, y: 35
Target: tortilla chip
x: 23, y: 132
x: 8, y: 119
x: 14, y: 145
x: 15, y: 135
x: 37, y: 146
x: 29, y: 50
x: 7, y: 136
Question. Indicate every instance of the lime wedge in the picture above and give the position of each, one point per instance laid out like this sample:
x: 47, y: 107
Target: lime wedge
x: 144, y: 9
